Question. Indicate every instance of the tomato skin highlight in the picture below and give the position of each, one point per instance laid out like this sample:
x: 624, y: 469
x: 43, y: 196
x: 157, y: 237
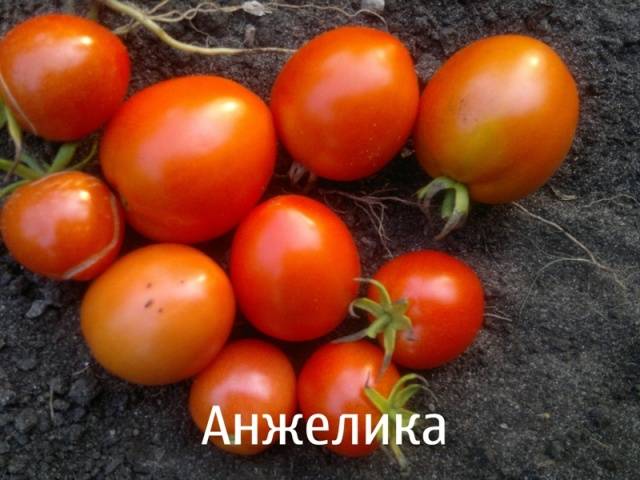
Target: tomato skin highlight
x: 159, y: 315
x: 498, y: 116
x: 247, y: 377
x: 332, y: 383
x: 446, y: 306
x: 63, y: 76
x: 346, y: 102
x: 64, y: 226
x: 190, y: 156
x: 293, y: 265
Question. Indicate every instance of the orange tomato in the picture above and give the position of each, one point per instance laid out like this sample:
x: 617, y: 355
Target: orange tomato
x: 498, y: 117
x: 190, y: 157
x: 293, y: 265
x: 247, y: 377
x: 62, y: 76
x: 64, y: 226
x: 345, y: 103
x: 158, y: 315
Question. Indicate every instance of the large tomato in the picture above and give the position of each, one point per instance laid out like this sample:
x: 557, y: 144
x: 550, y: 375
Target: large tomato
x: 430, y: 308
x: 62, y: 76
x: 293, y: 265
x: 189, y: 157
x: 345, y: 103
x: 158, y: 315
x: 248, y: 377
x: 64, y: 226
x: 497, y: 119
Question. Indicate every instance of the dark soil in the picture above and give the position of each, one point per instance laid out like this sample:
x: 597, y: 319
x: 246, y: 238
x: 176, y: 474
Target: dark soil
x: 550, y: 389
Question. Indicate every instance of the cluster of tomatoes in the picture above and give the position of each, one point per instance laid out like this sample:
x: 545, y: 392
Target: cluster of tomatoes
x: 189, y: 158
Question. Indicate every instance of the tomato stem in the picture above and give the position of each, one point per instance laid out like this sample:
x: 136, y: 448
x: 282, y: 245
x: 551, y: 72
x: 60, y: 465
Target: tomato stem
x: 15, y: 132
x: 455, y: 206
x: 64, y: 156
x: 394, y: 406
x: 21, y: 170
x: 147, y: 22
x: 11, y: 187
x: 389, y: 318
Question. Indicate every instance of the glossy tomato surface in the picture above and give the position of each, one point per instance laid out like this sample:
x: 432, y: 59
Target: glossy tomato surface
x: 247, y: 377
x: 158, y: 315
x: 446, y: 306
x: 190, y: 157
x: 332, y: 383
x: 293, y: 264
x: 499, y: 116
x: 62, y: 76
x: 346, y: 102
x: 64, y: 226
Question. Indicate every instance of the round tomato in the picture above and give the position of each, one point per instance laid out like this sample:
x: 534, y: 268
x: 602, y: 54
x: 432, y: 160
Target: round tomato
x: 64, y: 226
x: 62, y: 76
x: 189, y: 157
x: 332, y: 383
x: 247, y: 377
x: 293, y: 265
x: 496, y: 120
x: 158, y: 315
x: 443, y: 300
x: 345, y: 103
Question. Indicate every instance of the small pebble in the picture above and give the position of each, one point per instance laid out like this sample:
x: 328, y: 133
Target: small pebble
x: 373, y: 5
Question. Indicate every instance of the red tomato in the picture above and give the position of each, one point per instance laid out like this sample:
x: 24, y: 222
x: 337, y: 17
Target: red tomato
x: 345, y: 103
x: 62, y: 76
x: 332, y: 383
x: 64, y: 226
x: 445, y: 304
x: 293, y: 264
x: 498, y: 117
x: 158, y: 315
x: 247, y: 377
x: 190, y: 157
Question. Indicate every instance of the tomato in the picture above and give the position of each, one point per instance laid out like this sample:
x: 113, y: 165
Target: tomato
x: 293, y: 265
x: 247, y: 377
x: 498, y: 119
x: 443, y: 300
x: 158, y: 315
x: 346, y: 102
x: 62, y: 76
x: 332, y: 383
x: 64, y: 226
x: 190, y: 157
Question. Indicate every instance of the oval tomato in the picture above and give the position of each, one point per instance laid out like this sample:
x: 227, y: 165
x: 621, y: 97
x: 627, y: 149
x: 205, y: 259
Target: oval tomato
x: 158, y: 315
x: 345, y: 103
x: 190, y: 157
x: 332, y: 383
x: 497, y: 118
x: 247, y: 377
x: 64, y: 226
x: 62, y: 76
x: 293, y: 264
x: 443, y: 299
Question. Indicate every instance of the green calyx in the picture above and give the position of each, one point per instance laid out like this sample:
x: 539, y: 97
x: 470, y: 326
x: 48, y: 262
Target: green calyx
x: 28, y: 168
x: 455, y: 205
x: 389, y: 318
x: 394, y: 406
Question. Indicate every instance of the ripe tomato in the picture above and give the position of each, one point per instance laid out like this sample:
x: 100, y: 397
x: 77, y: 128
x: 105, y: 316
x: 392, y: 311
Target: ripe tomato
x: 332, y: 383
x: 158, y: 315
x: 190, y: 157
x: 293, y: 264
x: 62, y: 76
x: 247, y: 377
x: 64, y: 226
x: 345, y: 103
x: 443, y: 299
x: 498, y: 118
